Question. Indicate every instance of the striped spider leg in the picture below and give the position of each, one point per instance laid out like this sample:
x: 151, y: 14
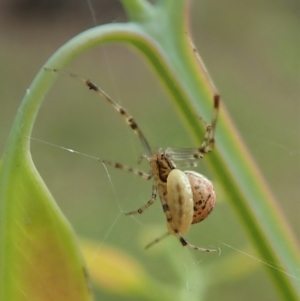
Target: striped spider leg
x: 187, y: 197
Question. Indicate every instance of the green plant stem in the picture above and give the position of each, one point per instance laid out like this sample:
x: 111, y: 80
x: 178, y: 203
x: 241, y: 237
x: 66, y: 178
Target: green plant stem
x: 158, y: 32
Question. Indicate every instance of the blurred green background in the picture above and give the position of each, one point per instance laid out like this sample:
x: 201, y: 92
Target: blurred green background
x: 251, y: 49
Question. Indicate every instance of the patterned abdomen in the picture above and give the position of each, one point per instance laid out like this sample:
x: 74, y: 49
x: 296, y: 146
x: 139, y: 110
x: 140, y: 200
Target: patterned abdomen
x: 203, y: 195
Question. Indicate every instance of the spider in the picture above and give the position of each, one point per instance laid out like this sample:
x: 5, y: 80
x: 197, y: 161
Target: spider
x: 187, y: 197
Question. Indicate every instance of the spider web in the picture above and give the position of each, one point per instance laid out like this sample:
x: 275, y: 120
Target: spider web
x: 122, y: 231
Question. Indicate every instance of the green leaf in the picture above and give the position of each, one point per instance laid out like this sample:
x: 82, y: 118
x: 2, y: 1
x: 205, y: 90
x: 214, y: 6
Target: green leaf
x: 39, y: 256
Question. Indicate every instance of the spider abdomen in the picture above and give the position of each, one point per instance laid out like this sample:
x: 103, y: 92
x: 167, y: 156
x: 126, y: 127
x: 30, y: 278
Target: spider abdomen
x: 204, y: 197
x: 180, y: 202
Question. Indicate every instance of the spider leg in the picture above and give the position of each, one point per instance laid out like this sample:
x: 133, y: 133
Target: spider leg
x: 129, y: 119
x: 184, y: 243
x: 142, y: 174
x: 157, y: 240
x: 207, y: 144
x: 149, y: 203
x: 209, y: 141
x: 216, y: 98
